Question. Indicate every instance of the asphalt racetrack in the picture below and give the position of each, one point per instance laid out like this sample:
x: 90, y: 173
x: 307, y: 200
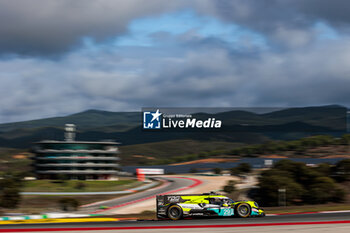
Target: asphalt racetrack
x: 172, y: 184
x: 317, y: 222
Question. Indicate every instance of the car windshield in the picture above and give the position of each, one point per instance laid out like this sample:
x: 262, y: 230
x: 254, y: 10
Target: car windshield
x: 227, y: 201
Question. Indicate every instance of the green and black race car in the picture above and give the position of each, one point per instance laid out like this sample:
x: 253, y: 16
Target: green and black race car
x: 178, y: 206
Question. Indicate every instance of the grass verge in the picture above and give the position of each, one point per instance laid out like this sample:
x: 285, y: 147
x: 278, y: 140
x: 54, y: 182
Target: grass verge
x: 39, y: 204
x: 307, y: 208
x: 78, y: 186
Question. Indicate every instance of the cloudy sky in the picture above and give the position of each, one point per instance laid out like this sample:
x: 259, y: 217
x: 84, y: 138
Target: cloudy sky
x: 63, y: 57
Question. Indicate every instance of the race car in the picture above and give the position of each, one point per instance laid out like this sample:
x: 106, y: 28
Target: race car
x: 179, y: 206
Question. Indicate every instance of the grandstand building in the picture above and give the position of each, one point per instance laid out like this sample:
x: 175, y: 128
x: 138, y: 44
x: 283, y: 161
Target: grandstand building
x: 75, y: 159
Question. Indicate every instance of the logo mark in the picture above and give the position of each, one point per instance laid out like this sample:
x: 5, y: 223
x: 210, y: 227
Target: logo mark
x: 174, y: 198
x: 152, y: 120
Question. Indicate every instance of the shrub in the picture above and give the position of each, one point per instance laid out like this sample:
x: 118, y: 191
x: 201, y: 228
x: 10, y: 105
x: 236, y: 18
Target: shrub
x: 80, y: 185
x: 244, y: 167
x: 342, y: 170
x: 324, y: 168
x: 269, y: 186
x: 229, y: 187
x: 339, y: 195
x: 10, y: 198
x: 10, y: 187
x: 321, y: 191
x: 68, y: 204
x: 302, y: 184
x: 233, y: 171
x: 217, y: 170
x: 193, y: 170
x: 202, y: 155
x: 345, y: 139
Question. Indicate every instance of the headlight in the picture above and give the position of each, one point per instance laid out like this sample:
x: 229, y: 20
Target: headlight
x: 256, y: 204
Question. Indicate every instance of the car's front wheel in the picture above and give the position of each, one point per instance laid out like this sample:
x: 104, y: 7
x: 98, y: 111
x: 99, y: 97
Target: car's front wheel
x: 175, y: 212
x: 243, y: 210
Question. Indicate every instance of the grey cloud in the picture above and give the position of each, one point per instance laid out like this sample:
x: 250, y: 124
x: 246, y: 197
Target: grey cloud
x: 49, y: 27
x: 287, y: 24
x: 179, y: 70
x: 41, y: 27
x: 335, y: 12
x: 202, y: 76
x: 266, y: 15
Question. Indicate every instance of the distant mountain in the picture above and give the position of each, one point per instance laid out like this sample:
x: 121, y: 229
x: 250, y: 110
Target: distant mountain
x: 238, y: 126
x: 86, y: 120
x: 329, y: 117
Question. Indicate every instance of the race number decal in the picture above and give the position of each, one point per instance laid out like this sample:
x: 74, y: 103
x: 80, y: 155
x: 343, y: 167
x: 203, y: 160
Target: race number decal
x: 227, y: 212
x: 173, y: 198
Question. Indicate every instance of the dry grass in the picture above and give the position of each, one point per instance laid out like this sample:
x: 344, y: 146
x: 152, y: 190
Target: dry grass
x: 307, y: 208
x: 78, y: 186
x: 40, y: 204
x: 210, y: 160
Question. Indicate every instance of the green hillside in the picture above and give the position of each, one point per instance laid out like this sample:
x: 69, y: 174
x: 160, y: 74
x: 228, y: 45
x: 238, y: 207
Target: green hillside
x: 238, y: 126
x: 149, y: 153
x: 87, y: 120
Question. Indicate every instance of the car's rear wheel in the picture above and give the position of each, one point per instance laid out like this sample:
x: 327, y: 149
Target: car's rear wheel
x: 243, y: 210
x: 175, y: 212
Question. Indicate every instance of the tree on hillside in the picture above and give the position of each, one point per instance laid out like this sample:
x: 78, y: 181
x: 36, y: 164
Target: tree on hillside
x: 324, y: 168
x: 345, y: 139
x: 245, y: 167
x: 229, y: 187
x: 242, y: 168
x: 323, y: 190
x: 217, y: 170
x: 285, y: 165
x: 342, y: 170
x: 269, y: 186
x: 303, y: 184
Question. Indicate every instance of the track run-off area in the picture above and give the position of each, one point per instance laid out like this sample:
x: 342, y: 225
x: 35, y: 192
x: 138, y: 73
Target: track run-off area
x: 170, y: 185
